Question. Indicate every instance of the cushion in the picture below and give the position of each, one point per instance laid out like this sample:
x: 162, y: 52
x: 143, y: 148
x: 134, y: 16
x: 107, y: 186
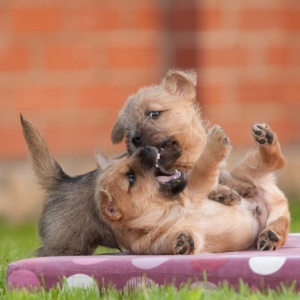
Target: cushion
x: 258, y: 269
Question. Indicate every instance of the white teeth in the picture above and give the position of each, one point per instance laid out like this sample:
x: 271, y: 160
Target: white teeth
x: 158, y: 156
x: 164, y: 179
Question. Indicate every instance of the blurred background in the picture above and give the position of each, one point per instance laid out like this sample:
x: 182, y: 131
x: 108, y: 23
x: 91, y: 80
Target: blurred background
x: 69, y: 65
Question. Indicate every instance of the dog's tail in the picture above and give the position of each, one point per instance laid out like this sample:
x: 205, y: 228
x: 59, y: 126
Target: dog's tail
x: 48, y: 171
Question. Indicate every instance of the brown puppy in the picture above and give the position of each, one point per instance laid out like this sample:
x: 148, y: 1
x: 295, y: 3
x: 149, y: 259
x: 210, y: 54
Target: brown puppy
x: 167, y: 117
x: 70, y: 223
x: 152, y: 212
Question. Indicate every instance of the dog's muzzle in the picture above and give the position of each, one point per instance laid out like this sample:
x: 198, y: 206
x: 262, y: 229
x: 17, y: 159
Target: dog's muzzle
x: 170, y: 182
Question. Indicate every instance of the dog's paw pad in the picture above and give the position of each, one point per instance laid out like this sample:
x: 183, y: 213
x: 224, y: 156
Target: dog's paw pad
x: 184, y: 244
x: 248, y: 190
x: 226, y: 196
x: 268, y: 240
x: 262, y: 134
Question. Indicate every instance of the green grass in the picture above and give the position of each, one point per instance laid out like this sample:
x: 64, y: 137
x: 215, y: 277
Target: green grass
x: 18, y: 242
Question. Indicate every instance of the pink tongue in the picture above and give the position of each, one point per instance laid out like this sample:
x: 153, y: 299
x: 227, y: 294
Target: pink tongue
x: 164, y: 179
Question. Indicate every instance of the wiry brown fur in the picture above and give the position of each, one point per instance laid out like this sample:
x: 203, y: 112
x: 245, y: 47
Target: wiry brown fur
x: 146, y: 220
x: 70, y: 223
x: 179, y: 133
x: 258, y: 168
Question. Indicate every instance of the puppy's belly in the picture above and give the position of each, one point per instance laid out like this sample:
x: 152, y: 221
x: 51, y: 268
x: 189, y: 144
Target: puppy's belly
x: 228, y: 228
x: 260, y: 208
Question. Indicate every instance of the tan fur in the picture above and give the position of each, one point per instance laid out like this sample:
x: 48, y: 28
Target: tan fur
x: 258, y: 168
x: 146, y: 221
x: 180, y: 135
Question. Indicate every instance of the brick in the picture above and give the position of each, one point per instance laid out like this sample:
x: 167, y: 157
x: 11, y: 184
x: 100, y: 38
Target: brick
x: 260, y: 92
x: 7, y: 100
x: 69, y: 57
x: 185, y: 58
x: 78, y: 139
x: 14, y: 58
x: 133, y: 57
x: 5, y: 20
x: 13, y: 144
x: 288, y: 19
x: 283, y: 55
x: 149, y: 19
x: 291, y: 19
x: 259, y: 18
x: 209, y: 19
x: 38, y: 99
x: 292, y: 94
x: 223, y: 57
x: 278, y: 55
x: 100, y: 96
x: 257, y: 92
x: 37, y: 19
x: 95, y: 19
x: 182, y: 20
x: 212, y: 94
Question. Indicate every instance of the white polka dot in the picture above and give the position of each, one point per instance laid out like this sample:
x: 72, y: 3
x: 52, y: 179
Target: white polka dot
x: 149, y: 263
x: 266, y: 265
x: 89, y: 260
x: 79, y: 280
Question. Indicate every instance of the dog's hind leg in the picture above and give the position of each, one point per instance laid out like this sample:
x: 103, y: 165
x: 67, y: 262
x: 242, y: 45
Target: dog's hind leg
x: 264, y: 159
x: 258, y: 167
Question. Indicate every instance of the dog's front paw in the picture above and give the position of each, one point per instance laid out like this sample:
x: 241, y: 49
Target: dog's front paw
x: 184, y: 244
x: 268, y: 240
x: 218, y: 141
x: 225, y: 196
x: 263, y: 134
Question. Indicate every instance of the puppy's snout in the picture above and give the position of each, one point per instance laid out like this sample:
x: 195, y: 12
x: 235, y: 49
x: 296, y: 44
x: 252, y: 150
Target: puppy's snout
x: 147, y: 151
x: 148, y: 156
x: 137, y: 139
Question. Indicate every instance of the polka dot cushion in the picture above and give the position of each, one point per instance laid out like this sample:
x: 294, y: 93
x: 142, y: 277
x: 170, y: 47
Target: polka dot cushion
x: 260, y: 270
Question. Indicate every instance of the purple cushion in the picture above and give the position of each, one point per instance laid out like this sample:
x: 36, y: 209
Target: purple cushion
x: 259, y: 270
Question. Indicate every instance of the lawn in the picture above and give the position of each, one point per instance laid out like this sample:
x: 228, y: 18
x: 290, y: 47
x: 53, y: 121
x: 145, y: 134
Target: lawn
x: 18, y: 242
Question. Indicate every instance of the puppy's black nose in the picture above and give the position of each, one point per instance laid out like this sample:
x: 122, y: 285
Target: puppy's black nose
x: 137, y: 140
x: 146, y: 151
x: 147, y: 156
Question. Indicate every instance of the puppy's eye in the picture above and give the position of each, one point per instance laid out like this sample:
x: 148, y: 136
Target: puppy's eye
x: 131, y: 179
x: 154, y: 114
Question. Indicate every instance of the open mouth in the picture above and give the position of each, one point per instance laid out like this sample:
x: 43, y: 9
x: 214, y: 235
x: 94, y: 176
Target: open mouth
x: 164, y: 177
x: 174, y: 182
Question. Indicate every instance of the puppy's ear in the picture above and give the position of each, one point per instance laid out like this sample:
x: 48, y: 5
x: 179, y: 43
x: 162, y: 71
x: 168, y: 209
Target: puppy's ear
x: 109, y: 207
x: 181, y: 83
x: 117, y: 133
x: 101, y: 160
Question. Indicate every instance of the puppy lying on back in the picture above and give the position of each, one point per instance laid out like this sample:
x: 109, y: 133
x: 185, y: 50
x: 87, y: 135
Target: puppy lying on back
x: 70, y: 223
x: 152, y: 212
x: 167, y: 117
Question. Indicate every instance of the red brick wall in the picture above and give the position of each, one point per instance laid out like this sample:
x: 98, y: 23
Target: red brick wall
x: 69, y: 65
